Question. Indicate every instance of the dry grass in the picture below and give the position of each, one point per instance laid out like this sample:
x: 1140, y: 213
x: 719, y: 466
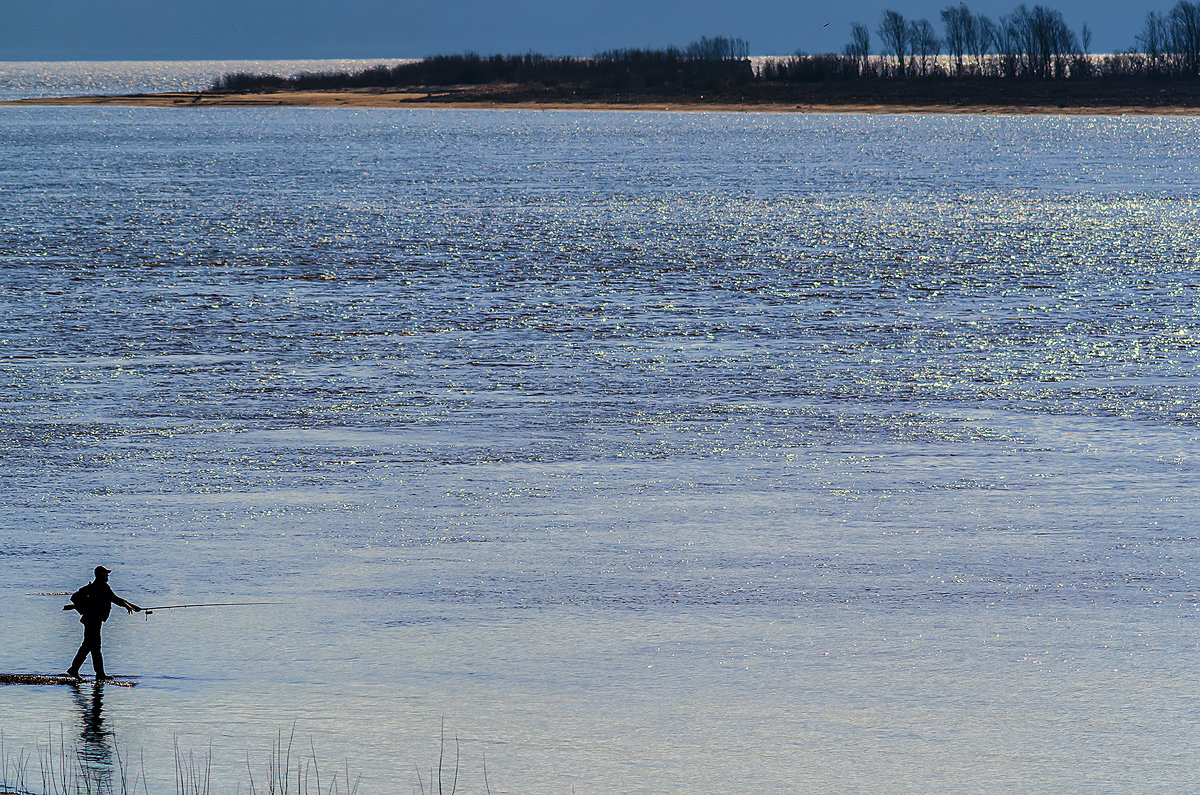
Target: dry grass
x: 61, y: 768
x: 441, y: 790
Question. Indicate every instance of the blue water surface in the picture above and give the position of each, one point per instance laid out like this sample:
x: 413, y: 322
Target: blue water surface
x: 645, y: 452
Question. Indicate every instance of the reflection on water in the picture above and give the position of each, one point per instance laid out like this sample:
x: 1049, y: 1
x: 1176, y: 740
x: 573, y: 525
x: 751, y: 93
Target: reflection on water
x: 96, y: 740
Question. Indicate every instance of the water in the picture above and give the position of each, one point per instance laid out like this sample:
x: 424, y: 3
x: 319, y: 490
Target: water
x: 26, y: 79
x: 650, y: 452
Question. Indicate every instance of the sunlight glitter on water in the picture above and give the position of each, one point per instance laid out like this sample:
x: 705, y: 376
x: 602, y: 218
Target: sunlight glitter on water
x: 654, y: 452
x: 25, y: 79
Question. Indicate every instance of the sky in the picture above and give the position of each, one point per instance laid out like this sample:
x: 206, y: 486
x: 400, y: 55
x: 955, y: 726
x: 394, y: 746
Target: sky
x: 235, y: 29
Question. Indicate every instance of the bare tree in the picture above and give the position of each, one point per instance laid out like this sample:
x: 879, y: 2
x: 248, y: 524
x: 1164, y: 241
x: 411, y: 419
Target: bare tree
x: 894, y: 32
x: 981, y: 37
x: 924, y: 43
x: 718, y: 48
x: 859, y: 47
x: 1055, y: 42
x: 1154, y: 40
x: 957, y: 21
x: 1082, y: 65
x: 1184, y: 21
x: 1008, y: 45
x: 1036, y: 42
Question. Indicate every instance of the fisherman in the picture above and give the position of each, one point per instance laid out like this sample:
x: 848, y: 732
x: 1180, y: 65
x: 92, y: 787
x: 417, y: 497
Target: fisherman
x: 94, y: 602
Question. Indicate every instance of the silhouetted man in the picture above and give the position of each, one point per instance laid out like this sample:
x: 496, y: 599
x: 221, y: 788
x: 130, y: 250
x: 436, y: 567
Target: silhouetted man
x: 94, y: 602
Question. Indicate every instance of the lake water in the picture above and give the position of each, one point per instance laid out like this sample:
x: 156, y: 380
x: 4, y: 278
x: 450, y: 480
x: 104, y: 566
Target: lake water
x: 22, y: 79
x: 649, y: 452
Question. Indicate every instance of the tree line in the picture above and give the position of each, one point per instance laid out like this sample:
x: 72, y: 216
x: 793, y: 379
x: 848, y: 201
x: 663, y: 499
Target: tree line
x: 1028, y: 42
x: 1031, y: 44
x: 720, y: 63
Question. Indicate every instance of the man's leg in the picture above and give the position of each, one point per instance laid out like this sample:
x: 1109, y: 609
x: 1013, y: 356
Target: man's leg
x: 84, y: 649
x: 91, y: 645
x: 97, y: 657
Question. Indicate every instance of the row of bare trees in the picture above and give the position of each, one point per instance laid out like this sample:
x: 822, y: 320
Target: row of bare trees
x: 1034, y: 42
x: 1028, y: 42
x: 1171, y: 42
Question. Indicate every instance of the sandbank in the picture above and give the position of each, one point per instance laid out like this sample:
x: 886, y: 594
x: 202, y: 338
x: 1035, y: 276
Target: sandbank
x: 378, y: 98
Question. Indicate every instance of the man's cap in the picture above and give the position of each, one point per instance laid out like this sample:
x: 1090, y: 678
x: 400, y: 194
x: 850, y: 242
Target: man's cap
x: 100, y: 569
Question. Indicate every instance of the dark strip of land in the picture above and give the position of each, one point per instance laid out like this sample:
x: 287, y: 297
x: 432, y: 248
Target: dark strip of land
x: 949, y: 95
x: 58, y: 679
x: 713, y: 75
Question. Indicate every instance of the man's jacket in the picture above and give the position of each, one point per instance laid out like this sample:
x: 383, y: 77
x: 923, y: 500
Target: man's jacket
x: 94, y: 602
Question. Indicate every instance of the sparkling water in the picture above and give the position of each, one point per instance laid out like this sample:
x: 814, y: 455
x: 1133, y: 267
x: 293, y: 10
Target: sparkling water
x: 25, y: 79
x: 646, y: 452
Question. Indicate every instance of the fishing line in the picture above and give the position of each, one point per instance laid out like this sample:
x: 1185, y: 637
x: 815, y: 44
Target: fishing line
x: 149, y: 610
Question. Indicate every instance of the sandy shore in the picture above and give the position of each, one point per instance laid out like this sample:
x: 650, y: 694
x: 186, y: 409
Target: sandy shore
x: 375, y: 98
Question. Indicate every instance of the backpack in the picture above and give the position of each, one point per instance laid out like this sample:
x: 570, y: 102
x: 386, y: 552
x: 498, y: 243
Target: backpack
x: 84, y: 600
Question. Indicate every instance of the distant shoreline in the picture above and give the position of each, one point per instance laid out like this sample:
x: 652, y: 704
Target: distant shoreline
x: 711, y: 75
x: 492, y: 98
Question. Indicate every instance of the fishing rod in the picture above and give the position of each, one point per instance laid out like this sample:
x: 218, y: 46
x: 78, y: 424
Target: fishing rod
x: 150, y: 610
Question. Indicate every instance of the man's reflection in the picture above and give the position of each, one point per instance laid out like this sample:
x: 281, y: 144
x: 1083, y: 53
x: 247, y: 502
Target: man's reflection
x: 95, y: 747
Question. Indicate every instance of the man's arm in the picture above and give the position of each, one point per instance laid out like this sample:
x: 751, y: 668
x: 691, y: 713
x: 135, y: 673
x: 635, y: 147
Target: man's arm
x: 116, y: 600
x: 130, y: 606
